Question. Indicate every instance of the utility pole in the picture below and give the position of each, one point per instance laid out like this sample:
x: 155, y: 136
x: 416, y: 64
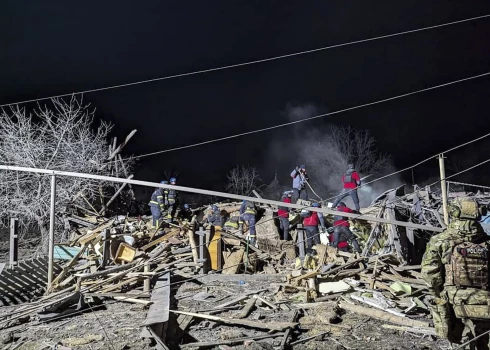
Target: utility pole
x: 51, y: 231
x: 443, y: 188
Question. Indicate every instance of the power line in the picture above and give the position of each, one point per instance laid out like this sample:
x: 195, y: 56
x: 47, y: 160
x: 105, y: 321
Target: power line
x: 180, y: 75
x: 314, y: 117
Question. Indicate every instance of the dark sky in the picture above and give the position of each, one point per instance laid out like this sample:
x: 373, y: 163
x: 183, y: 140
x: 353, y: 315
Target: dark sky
x: 54, y: 47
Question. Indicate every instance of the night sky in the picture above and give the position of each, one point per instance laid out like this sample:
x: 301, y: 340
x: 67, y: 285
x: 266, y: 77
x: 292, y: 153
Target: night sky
x: 56, y: 47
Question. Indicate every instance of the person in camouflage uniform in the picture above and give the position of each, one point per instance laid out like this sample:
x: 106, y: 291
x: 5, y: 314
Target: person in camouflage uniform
x: 455, y: 267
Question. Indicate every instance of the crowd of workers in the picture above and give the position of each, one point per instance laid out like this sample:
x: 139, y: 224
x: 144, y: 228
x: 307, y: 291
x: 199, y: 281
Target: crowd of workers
x: 455, y: 265
x: 164, y: 203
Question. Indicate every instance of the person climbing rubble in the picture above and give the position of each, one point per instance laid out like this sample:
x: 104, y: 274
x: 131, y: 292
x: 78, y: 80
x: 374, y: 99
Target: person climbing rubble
x: 185, y: 214
x: 247, y: 214
x: 172, y: 200
x: 351, y: 181
x: 157, y: 203
x: 215, y: 218
x: 283, y: 215
x: 300, y: 179
x: 455, y: 267
x: 342, y: 234
x: 311, y: 221
x: 233, y: 224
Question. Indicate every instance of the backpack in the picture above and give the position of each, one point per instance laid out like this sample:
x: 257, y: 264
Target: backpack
x: 468, y: 266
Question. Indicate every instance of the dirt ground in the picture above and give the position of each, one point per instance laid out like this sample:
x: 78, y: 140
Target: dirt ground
x: 118, y: 326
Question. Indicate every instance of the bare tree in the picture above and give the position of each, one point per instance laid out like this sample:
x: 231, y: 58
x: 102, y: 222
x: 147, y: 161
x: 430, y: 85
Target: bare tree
x: 330, y: 155
x: 242, y: 180
x: 59, y: 137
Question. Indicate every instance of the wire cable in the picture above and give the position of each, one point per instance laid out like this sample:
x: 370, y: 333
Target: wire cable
x: 314, y: 117
x: 254, y: 61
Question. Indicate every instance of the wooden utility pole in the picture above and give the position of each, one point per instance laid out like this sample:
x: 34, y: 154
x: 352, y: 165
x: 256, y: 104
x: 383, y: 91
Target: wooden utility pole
x: 443, y: 188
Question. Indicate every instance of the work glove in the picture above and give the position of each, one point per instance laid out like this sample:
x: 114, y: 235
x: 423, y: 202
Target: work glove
x: 330, y: 230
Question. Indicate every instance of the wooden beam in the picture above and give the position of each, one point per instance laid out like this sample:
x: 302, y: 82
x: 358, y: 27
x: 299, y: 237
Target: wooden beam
x: 121, y: 146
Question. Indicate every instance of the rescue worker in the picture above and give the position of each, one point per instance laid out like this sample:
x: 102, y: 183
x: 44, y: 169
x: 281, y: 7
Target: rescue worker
x: 351, y: 180
x: 283, y: 215
x: 172, y: 200
x: 299, y: 183
x: 310, y: 223
x: 247, y: 214
x: 455, y: 267
x: 215, y: 218
x: 233, y: 224
x: 186, y: 213
x: 157, y: 204
x: 342, y: 234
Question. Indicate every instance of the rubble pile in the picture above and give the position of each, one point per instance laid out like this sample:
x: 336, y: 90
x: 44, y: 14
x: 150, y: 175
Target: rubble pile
x: 200, y: 286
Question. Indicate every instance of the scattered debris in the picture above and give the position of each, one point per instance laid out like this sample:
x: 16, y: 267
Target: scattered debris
x: 202, y: 287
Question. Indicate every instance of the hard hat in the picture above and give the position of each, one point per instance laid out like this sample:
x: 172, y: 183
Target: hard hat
x: 288, y: 193
x: 316, y: 205
x: 163, y: 182
x: 350, y: 166
x: 214, y: 208
x: 341, y: 204
x: 186, y: 206
x: 173, y: 180
x: 302, y: 166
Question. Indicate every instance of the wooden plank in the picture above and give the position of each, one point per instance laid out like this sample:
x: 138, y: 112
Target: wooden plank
x: 68, y: 267
x: 81, y: 221
x: 247, y: 308
x: 238, y: 299
x: 384, y: 316
x: 235, y: 341
x: 120, y: 284
x: 161, y: 239
x: 239, y: 277
x: 159, y: 311
x: 272, y: 326
x: 85, y: 239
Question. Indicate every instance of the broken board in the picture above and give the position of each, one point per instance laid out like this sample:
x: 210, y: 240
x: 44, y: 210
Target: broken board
x: 215, y: 250
x: 158, y: 315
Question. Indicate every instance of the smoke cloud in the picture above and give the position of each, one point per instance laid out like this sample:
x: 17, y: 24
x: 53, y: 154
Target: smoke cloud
x: 326, y: 152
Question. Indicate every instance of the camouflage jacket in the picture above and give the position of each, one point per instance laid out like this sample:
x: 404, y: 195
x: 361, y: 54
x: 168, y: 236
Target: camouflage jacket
x: 438, y: 252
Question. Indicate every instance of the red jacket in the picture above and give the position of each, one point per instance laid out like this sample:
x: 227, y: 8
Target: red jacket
x: 342, y: 244
x: 339, y: 220
x: 283, y: 211
x: 355, y: 179
x: 312, y: 220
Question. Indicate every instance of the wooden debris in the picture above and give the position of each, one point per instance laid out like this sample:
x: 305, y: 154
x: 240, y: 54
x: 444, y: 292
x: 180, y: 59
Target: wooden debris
x: 382, y: 315
x: 271, y: 326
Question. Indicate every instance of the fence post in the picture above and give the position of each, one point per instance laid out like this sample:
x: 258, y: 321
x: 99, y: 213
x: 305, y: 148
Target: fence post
x: 14, y: 242
x: 106, y: 253
x: 202, y: 260
x: 51, y: 230
x: 301, y: 243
